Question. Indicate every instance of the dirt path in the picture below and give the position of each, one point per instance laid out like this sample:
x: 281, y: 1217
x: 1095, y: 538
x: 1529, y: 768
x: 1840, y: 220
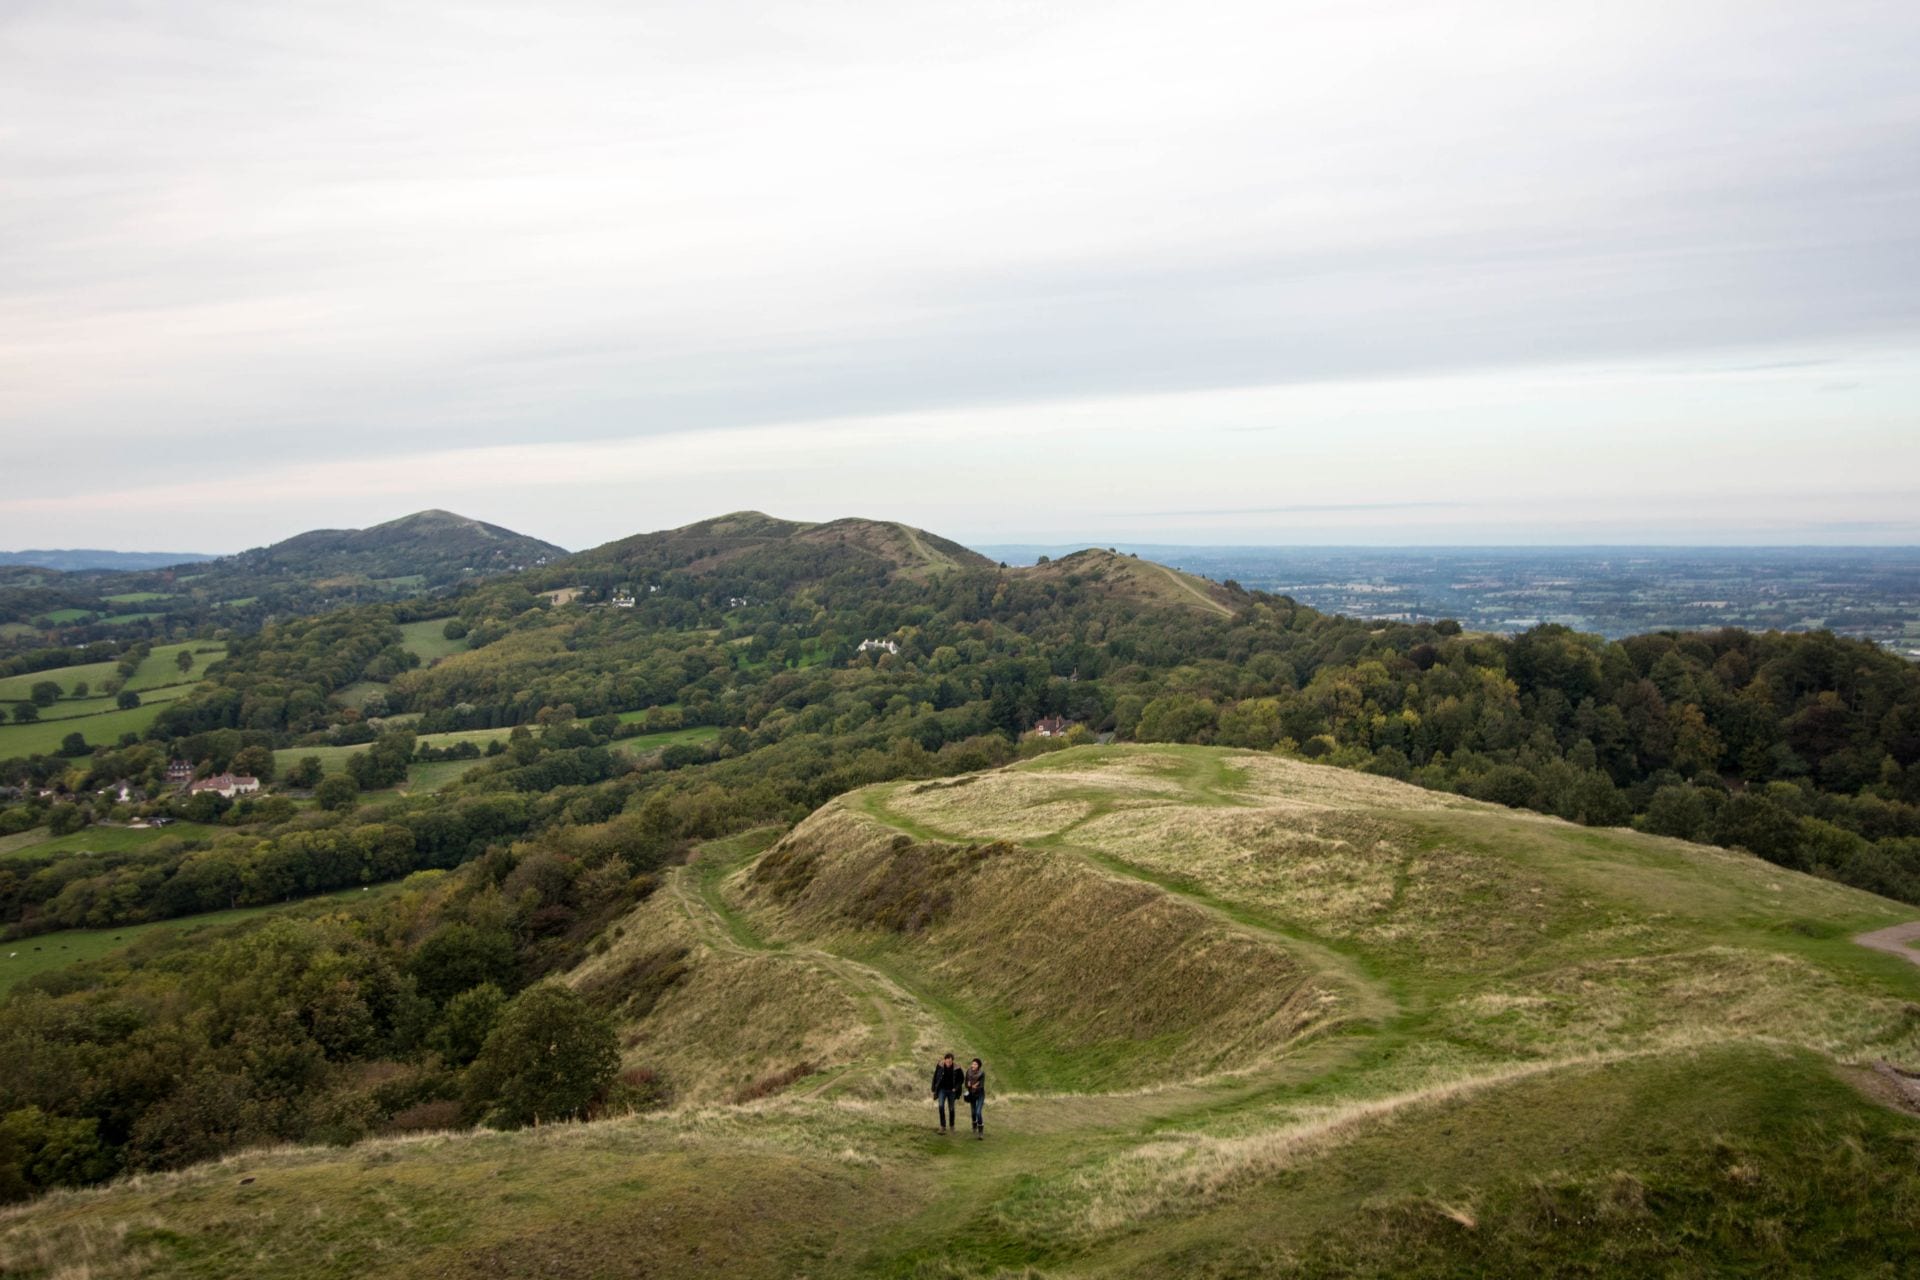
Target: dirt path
x: 1195, y: 592
x: 1894, y: 940
x: 899, y: 1022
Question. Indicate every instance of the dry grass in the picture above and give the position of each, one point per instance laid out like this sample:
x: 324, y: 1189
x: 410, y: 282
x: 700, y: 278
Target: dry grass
x: 1127, y: 982
x: 1169, y: 942
x: 736, y: 1015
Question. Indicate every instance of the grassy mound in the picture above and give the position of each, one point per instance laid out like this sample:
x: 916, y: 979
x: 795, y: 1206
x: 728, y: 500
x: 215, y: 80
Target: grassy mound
x: 1245, y: 1016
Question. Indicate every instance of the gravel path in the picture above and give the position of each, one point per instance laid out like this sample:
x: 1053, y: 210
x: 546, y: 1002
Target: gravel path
x: 1893, y: 940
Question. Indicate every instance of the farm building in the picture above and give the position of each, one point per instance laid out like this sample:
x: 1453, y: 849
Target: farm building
x: 227, y: 784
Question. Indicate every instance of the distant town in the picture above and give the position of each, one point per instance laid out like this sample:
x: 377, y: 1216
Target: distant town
x: 1866, y: 592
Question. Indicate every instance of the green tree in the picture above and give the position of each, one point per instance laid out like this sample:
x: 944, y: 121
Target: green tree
x: 336, y: 793
x: 127, y: 700
x: 44, y: 693
x: 254, y: 761
x: 1176, y: 717
x: 81, y: 688
x: 305, y: 774
x: 548, y: 1059
x: 470, y: 1018
x: 460, y: 956
x: 74, y: 744
x: 25, y: 713
x: 64, y: 819
x: 38, y: 1151
x: 184, y: 661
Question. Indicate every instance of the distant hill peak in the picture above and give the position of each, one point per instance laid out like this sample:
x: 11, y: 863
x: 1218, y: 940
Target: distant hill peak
x: 1128, y: 577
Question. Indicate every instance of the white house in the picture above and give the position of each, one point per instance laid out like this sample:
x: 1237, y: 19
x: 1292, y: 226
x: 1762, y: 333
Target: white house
x: 873, y: 646
x: 227, y: 784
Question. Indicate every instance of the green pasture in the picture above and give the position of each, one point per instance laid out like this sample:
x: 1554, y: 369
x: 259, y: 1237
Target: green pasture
x: 137, y: 597
x: 24, y: 958
x: 43, y: 737
x: 654, y: 741
x: 356, y: 694
x: 427, y: 639
x: 39, y: 843
x: 159, y: 670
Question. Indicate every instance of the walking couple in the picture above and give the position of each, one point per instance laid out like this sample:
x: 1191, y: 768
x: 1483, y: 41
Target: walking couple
x: 950, y: 1083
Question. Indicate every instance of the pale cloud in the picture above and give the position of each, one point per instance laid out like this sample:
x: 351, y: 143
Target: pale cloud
x: 590, y: 268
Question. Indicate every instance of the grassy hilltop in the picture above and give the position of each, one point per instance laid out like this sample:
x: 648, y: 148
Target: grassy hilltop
x: 1244, y: 1016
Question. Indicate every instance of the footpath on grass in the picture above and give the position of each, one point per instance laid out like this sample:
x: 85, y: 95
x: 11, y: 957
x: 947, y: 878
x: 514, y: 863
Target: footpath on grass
x: 1895, y: 940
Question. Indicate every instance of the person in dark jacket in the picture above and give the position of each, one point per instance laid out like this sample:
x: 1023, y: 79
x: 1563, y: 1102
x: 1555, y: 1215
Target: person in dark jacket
x: 974, y: 1085
x: 948, y: 1080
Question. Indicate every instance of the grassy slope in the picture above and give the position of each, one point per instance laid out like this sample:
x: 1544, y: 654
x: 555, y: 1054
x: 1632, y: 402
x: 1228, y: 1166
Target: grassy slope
x: 436, y: 774
x: 158, y: 680
x: 1556, y: 1050
x: 26, y: 957
x: 37, y: 843
x: 428, y: 640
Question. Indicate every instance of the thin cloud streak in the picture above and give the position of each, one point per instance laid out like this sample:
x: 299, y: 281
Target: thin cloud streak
x: 266, y: 238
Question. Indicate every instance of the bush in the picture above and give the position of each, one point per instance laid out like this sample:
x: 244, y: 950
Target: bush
x: 549, y: 1059
x: 335, y: 793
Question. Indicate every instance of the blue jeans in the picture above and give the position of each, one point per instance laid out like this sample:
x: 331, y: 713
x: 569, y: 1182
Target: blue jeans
x: 979, y: 1103
x: 949, y: 1104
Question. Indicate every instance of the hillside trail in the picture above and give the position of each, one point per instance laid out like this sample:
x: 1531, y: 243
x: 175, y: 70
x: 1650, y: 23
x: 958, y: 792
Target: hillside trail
x: 696, y: 887
x: 1195, y: 592
x: 1371, y: 1000
x: 1895, y: 940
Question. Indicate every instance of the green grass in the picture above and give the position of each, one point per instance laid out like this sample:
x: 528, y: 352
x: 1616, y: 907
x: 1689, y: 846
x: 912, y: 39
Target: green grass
x: 429, y: 641
x: 122, y: 619
x: 55, y: 617
x: 43, y: 737
x: 334, y: 759
x: 647, y: 742
x: 356, y: 694
x: 160, y: 669
x: 24, y: 958
x: 137, y: 597
x: 38, y: 843
x: 635, y: 717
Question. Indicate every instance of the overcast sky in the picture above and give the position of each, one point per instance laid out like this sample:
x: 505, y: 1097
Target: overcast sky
x: 1261, y: 272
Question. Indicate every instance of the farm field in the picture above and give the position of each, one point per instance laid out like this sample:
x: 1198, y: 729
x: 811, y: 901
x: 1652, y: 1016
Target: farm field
x: 428, y: 641
x: 38, y: 843
x: 43, y: 737
x: 158, y: 680
x: 1241, y: 1016
x: 334, y: 759
x: 24, y: 958
x: 159, y: 670
x: 356, y: 694
x: 654, y: 741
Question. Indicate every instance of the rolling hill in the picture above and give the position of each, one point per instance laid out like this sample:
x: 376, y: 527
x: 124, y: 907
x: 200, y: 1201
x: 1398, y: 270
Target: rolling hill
x: 768, y: 552
x: 437, y: 546
x: 765, y: 554
x: 307, y: 573
x: 1136, y: 581
x: 1243, y: 1015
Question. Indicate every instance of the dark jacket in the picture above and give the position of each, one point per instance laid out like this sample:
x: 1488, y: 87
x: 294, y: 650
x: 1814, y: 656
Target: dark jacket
x: 948, y: 1079
x: 975, y: 1082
